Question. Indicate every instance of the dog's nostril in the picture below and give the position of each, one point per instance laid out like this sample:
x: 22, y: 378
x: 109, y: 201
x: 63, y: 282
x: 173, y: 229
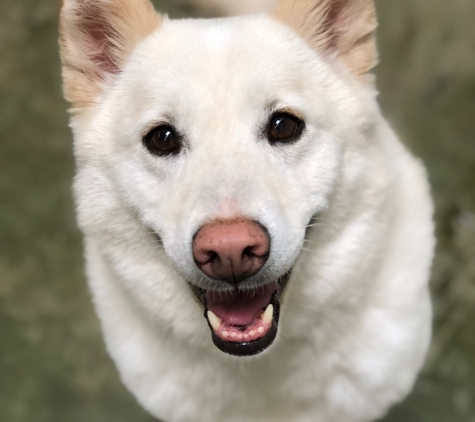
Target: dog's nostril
x: 248, y: 252
x: 212, y: 256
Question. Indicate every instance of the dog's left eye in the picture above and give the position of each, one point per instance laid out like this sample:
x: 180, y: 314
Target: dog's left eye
x: 284, y: 128
x: 162, y: 141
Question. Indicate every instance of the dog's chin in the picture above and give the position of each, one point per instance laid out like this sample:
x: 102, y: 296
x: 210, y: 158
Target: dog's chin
x: 243, y: 322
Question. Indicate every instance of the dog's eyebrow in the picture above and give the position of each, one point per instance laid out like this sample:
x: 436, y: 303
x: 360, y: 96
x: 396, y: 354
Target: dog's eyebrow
x: 289, y: 110
x: 155, y: 123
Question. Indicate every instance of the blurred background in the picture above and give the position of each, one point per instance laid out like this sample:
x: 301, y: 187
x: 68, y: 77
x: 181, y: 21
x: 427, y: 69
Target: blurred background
x: 53, y: 365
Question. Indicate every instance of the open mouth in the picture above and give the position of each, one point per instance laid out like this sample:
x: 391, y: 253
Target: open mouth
x: 243, y: 322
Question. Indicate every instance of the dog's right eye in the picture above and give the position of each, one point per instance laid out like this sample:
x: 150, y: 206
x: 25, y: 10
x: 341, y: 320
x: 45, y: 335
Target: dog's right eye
x: 284, y: 128
x: 162, y: 141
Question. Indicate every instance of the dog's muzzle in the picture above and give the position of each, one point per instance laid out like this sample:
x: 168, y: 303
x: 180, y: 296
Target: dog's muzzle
x: 243, y: 321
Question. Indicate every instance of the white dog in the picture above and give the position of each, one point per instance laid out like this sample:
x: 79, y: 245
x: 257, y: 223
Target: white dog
x: 241, y: 194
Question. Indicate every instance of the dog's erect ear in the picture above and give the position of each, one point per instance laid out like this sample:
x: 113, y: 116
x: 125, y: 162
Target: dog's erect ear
x: 343, y: 28
x: 96, y: 39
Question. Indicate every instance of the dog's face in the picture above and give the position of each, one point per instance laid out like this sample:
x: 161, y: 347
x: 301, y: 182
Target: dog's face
x: 217, y: 142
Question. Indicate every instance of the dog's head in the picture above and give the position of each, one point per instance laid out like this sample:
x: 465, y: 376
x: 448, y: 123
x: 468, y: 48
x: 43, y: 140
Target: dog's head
x: 205, y: 149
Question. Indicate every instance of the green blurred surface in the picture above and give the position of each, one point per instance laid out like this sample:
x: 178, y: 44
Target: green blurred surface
x: 53, y: 365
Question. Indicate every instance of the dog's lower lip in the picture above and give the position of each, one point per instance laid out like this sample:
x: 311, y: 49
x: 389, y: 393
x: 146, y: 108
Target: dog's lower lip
x: 257, y: 345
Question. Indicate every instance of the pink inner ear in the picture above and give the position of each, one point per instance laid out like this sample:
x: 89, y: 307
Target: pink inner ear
x: 99, y: 35
x: 335, y: 20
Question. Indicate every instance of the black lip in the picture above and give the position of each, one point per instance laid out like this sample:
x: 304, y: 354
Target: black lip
x: 254, y: 347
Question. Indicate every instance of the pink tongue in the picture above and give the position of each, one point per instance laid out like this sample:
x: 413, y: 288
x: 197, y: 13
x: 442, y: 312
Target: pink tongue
x: 240, y: 308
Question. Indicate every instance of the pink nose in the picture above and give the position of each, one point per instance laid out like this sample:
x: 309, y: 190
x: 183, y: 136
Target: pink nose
x: 231, y: 250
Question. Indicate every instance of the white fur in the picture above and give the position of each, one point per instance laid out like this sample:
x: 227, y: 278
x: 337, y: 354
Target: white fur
x: 356, y: 317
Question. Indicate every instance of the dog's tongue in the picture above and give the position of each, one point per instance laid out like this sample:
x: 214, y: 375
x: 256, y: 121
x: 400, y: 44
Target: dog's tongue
x: 240, y: 308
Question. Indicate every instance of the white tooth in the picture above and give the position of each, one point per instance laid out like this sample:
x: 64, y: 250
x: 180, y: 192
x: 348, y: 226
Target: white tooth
x: 261, y: 330
x: 268, y: 314
x: 214, y: 320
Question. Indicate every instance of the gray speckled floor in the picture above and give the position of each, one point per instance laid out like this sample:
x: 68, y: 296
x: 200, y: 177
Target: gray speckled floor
x: 53, y: 367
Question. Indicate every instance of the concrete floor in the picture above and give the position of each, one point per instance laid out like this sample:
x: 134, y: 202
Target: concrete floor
x: 53, y: 366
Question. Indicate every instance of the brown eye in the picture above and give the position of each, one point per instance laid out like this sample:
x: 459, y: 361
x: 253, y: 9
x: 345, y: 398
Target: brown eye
x: 162, y: 141
x: 284, y: 128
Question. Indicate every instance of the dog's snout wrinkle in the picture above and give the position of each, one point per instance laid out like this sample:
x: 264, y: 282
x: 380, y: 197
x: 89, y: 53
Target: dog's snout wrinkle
x: 231, y: 250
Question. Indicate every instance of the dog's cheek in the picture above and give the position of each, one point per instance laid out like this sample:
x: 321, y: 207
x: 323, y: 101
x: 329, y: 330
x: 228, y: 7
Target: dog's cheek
x: 313, y: 183
x: 137, y: 261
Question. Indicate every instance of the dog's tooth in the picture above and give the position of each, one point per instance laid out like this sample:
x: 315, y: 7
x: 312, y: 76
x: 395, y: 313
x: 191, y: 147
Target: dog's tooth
x: 261, y: 330
x: 268, y: 314
x: 214, y: 320
x: 225, y: 334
